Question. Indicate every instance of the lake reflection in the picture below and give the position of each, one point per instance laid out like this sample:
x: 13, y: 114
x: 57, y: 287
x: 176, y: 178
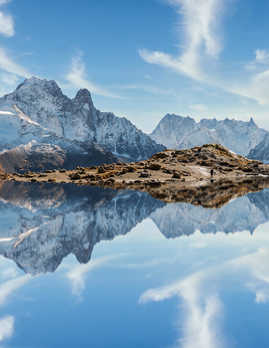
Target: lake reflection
x: 87, y: 267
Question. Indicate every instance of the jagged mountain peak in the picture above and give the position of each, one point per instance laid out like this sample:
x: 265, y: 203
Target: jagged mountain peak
x: 83, y: 96
x: 184, y: 132
x: 36, y: 84
x: 65, y: 219
x: 252, y: 122
x: 38, y: 110
x: 174, y: 117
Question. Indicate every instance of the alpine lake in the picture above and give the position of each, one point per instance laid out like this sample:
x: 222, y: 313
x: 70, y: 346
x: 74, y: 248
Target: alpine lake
x: 94, y: 267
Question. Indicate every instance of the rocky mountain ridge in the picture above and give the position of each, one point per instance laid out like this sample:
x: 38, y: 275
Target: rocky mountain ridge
x: 39, y: 111
x: 261, y: 151
x: 41, y: 224
x: 178, y: 132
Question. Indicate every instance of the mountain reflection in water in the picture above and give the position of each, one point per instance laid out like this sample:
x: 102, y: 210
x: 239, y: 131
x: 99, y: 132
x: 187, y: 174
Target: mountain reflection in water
x: 147, y: 288
x: 42, y: 223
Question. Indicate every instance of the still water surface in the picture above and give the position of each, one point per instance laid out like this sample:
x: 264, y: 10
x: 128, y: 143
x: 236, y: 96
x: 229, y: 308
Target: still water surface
x: 86, y: 267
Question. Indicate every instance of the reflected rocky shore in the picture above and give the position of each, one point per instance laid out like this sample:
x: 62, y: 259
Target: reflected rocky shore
x: 43, y: 223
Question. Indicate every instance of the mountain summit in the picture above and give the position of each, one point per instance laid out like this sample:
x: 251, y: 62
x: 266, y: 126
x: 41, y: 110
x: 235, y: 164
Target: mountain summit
x: 38, y: 112
x: 180, y: 132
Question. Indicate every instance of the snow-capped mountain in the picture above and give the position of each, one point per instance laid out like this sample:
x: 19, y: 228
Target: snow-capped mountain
x: 42, y: 224
x: 261, y: 151
x: 38, y: 111
x: 184, y: 132
x: 242, y: 214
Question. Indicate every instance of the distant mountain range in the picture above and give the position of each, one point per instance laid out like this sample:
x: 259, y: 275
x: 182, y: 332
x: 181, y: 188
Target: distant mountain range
x: 41, y: 128
x: 261, y: 151
x: 43, y: 223
x: 179, y: 132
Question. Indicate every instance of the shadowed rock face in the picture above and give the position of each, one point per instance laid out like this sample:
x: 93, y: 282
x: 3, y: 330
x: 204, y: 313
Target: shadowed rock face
x: 38, y: 157
x: 42, y: 224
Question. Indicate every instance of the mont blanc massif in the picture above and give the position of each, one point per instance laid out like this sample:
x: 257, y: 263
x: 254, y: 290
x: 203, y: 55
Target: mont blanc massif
x: 41, y: 128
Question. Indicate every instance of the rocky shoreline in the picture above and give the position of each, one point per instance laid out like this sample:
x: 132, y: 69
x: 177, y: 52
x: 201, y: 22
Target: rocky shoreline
x: 209, y: 175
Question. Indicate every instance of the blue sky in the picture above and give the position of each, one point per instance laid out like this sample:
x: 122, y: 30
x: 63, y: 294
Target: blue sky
x: 144, y: 58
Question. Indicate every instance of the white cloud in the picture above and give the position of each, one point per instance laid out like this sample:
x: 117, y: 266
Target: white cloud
x: 8, y: 65
x: 6, y: 327
x: 4, y: 2
x: 200, y: 22
x: 201, y: 307
x: 77, y: 276
x: 9, y: 272
x: 200, y: 28
x: 201, y: 311
x: 8, y: 287
x: 6, y: 25
x: 6, y: 22
x: 8, y: 82
x: 77, y: 77
x: 262, y: 56
x: 11, y: 70
x: 261, y: 59
x: 9, y: 79
x: 257, y: 265
x: 255, y: 88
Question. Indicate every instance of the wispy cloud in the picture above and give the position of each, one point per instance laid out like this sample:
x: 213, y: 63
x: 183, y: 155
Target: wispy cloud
x: 11, y: 72
x: 202, y: 308
x: 8, y: 65
x: 77, y: 76
x: 256, y: 87
x: 200, y: 24
x: 6, y: 22
x: 77, y: 275
x: 9, y: 79
x: 8, y: 287
x: 199, y: 21
x: 4, y: 2
x: 6, y: 327
x: 257, y: 265
x: 261, y: 58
